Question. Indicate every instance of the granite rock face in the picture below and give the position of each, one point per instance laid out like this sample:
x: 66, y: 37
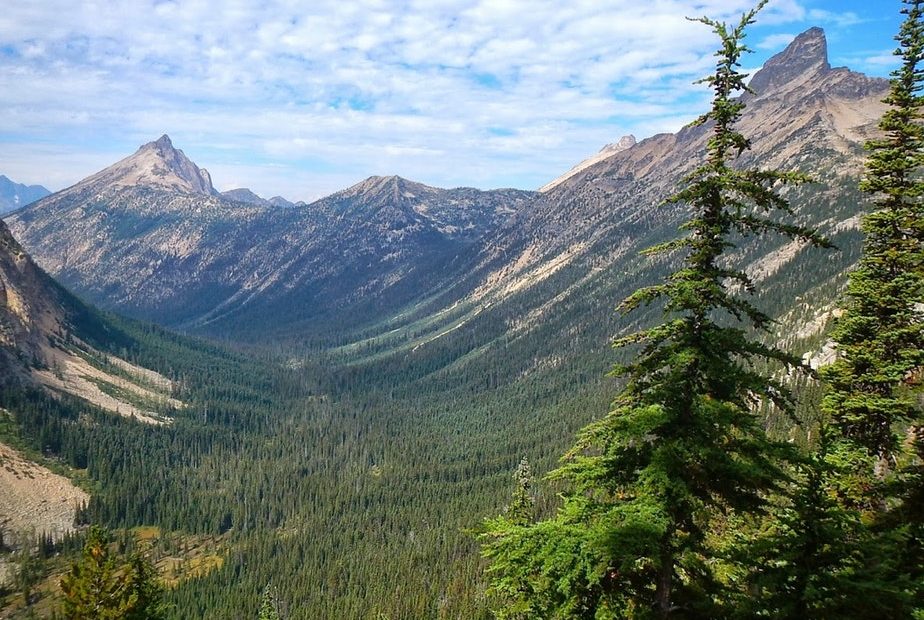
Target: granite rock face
x: 805, y: 58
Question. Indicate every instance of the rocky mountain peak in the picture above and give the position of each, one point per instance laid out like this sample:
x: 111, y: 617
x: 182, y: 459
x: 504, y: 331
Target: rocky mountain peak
x: 163, y: 142
x: 624, y: 143
x: 15, y: 195
x: 157, y: 165
x: 387, y: 187
x: 245, y: 195
x: 804, y: 59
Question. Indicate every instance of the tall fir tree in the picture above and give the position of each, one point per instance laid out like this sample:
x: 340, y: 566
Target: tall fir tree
x: 649, y: 482
x: 880, y: 336
x: 874, y: 397
x: 813, y: 558
x: 269, y: 604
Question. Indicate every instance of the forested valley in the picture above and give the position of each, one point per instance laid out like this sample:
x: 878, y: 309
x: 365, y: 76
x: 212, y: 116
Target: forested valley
x: 714, y: 473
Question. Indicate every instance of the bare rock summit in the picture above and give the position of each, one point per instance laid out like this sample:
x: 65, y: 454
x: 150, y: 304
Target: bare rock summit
x: 806, y: 57
x: 624, y: 143
x: 156, y: 165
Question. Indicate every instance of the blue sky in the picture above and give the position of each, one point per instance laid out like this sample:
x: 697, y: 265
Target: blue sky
x: 301, y: 98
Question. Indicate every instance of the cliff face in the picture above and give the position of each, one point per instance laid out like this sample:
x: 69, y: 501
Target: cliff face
x: 30, y: 312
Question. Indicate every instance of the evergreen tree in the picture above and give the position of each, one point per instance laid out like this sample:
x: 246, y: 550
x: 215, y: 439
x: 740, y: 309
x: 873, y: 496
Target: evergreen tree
x: 146, y: 588
x: 29, y: 572
x: 874, y: 385
x: 816, y: 559
x: 522, y: 504
x: 682, y: 445
x: 880, y: 336
x: 98, y: 587
x: 269, y: 605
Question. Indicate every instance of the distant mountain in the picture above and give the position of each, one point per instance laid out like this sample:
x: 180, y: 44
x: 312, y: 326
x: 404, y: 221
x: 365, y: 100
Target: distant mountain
x: 16, y: 195
x: 245, y: 195
x: 156, y: 165
x: 150, y: 237
x: 463, y: 213
x: 279, y: 201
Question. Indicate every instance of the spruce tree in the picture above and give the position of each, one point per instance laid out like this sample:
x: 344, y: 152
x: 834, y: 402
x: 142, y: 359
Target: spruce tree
x: 874, y: 396
x: 649, y: 482
x: 522, y: 503
x: 100, y: 587
x: 814, y: 558
x: 880, y: 336
x: 269, y: 604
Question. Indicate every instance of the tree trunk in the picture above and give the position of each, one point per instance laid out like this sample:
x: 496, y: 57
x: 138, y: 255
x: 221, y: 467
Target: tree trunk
x: 665, y: 579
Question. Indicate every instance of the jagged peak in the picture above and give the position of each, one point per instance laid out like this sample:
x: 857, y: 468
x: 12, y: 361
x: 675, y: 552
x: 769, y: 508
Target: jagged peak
x: 624, y: 143
x: 157, y: 165
x: 163, y: 142
x: 804, y: 58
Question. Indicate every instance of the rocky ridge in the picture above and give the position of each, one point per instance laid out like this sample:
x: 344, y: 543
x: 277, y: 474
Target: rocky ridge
x: 625, y: 142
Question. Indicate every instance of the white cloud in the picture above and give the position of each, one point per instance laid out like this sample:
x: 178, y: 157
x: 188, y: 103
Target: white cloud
x: 839, y: 18
x: 776, y: 41
x: 884, y: 59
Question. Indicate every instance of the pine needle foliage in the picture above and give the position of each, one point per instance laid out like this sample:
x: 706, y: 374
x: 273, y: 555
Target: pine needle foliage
x: 880, y: 336
x: 874, y: 398
x: 816, y: 559
x: 269, y: 604
x: 100, y: 587
x: 682, y: 445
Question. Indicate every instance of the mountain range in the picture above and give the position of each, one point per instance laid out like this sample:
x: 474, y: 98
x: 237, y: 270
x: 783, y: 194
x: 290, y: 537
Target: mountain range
x: 150, y: 236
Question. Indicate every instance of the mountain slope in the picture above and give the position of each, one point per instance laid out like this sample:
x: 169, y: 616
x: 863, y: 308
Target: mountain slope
x: 50, y: 339
x: 50, y: 343
x: 626, y: 142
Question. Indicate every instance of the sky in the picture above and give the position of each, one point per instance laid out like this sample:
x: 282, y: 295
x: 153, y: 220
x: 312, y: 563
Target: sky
x: 303, y: 98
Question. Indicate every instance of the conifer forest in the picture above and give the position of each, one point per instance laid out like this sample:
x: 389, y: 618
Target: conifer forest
x: 659, y: 445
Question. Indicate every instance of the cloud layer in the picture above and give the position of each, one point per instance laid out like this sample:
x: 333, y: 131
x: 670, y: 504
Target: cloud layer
x: 302, y: 98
